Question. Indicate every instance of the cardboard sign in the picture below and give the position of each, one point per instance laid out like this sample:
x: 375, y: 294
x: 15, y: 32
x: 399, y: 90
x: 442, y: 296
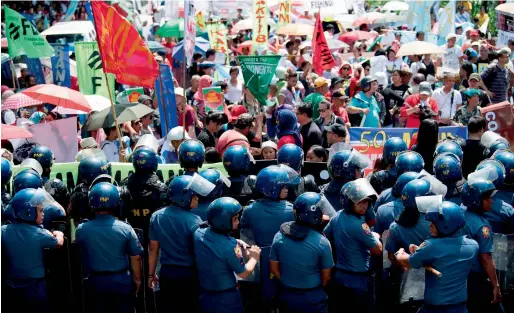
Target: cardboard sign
x: 213, y: 99
x: 316, y: 4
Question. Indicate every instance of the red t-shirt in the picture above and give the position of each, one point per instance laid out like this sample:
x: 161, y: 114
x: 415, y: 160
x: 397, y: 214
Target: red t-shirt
x: 190, y: 117
x: 413, y: 119
x: 287, y: 139
x: 342, y: 113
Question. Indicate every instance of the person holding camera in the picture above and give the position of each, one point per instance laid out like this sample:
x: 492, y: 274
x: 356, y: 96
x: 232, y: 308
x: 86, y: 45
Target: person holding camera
x: 419, y: 107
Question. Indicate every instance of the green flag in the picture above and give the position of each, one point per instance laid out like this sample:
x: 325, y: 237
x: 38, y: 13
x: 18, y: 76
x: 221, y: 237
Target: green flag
x: 89, y: 70
x: 23, y: 37
x: 257, y: 73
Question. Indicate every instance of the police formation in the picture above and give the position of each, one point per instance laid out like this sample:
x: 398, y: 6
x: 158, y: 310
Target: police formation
x: 401, y: 240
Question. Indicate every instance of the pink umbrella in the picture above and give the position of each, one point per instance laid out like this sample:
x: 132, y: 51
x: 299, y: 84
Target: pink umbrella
x: 59, y: 96
x: 19, y: 100
x: 14, y: 132
x: 356, y: 35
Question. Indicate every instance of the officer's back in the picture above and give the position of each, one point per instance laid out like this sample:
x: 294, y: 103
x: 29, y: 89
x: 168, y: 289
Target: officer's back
x: 501, y: 217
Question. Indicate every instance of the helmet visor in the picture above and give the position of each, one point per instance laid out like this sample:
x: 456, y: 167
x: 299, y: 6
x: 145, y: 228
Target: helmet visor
x: 436, y: 186
x: 149, y: 141
x: 200, y: 185
x: 224, y: 178
x: 32, y: 164
x: 326, y: 207
x: 360, y: 160
x: 429, y: 204
x: 335, y: 148
x: 292, y: 175
x: 490, y: 137
x: 488, y: 173
x: 43, y: 199
x: 360, y: 189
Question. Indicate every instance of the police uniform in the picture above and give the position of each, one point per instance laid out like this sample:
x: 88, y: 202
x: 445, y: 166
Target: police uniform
x: 501, y: 217
x: 201, y: 209
x: 384, y: 197
x: 387, y: 214
x: 105, y: 244
x: 241, y: 188
x: 306, y: 184
x: 53, y: 214
x: 383, y: 179
x: 506, y: 195
x: 331, y: 192
x: 402, y: 236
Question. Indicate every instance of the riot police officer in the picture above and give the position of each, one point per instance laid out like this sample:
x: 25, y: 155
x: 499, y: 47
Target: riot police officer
x: 301, y: 258
x: 292, y: 156
x: 506, y: 192
x: 171, y: 233
x: 261, y: 219
x: 449, y: 146
x: 447, y: 169
x: 221, y: 257
x: 6, y: 177
x: 447, y: 251
x: 89, y: 169
x: 105, y: 245
x: 501, y: 216
x: 219, y: 180
x: 483, y: 289
x: 45, y: 157
x: 236, y: 161
x: 353, y: 242
x: 27, y: 178
x: 22, y: 243
x: 191, y: 155
x: 58, y: 190
x: 387, y: 213
x: 386, y: 178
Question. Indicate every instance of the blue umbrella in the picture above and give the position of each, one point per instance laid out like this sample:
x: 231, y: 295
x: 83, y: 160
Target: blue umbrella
x: 201, y: 46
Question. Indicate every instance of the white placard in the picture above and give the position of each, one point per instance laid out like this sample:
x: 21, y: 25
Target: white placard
x: 316, y: 4
x: 503, y: 38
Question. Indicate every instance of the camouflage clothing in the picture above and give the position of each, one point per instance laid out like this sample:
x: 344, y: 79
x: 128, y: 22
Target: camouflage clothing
x: 463, y: 114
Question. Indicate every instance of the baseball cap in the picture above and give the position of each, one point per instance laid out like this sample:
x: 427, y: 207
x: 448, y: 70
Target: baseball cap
x: 320, y: 81
x: 177, y: 133
x: 504, y: 50
x: 474, y: 32
x: 269, y: 144
x: 475, y: 76
x: 336, y: 80
x: 179, y: 91
x: 88, y: 142
x: 340, y: 94
x: 236, y: 111
x: 450, y: 36
x: 337, y: 129
x: 472, y: 92
x: 244, y: 120
x: 206, y: 64
x: 425, y: 89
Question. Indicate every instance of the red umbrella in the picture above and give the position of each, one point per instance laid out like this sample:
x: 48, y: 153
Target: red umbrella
x: 356, y: 35
x: 59, y: 96
x: 14, y: 132
x: 19, y: 100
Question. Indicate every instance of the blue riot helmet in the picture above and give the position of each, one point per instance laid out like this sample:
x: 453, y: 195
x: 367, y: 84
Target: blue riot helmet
x: 104, y: 197
x: 449, y: 146
x: 25, y: 203
x: 307, y: 209
x: 500, y: 170
x: 191, y: 154
x: 236, y: 161
x: 291, y: 155
x: 447, y: 216
x: 497, y: 145
x: 271, y: 180
x: 220, y: 213
x: 342, y: 165
x: 356, y: 191
x: 218, y: 179
x: 447, y: 168
x: 493, y: 141
x: 409, y: 161
x: 182, y: 189
x: 27, y: 178
x: 402, y: 181
x: 479, y: 186
x: 58, y: 190
x: 506, y: 158
x: 145, y: 160
x: 6, y: 171
x: 90, y: 168
x: 43, y: 155
x: 392, y: 147
x: 413, y: 189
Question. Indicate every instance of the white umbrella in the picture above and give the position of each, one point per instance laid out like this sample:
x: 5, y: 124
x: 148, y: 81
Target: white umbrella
x: 248, y: 24
x: 97, y: 103
x: 419, y: 48
x: 333, y: 44
x: 395, y: 6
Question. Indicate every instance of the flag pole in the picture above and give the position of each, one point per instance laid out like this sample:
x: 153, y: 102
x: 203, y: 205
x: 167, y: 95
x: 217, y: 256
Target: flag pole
x: 15, y: 83
x: 184, y: 69
x: 113, y: 111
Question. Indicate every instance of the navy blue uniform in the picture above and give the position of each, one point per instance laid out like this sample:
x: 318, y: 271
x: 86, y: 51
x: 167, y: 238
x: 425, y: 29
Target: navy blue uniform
x: 453, y: 256
x: 105, y: 244
x: 52, y: 213
x: 505, y: 195
x: 384, y: 197
x: 332, y: 192
x: 221, y: 258
x: 402, y: 237
x: 387, y: 214
x: 22, y: 246
x: 352, y: 241
x: 501, y: 217
x: 300, y: 265
x: 174, y: 229
x: 201, y: 209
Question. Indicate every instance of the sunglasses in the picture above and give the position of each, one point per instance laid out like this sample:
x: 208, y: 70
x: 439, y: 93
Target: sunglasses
x: 346, y: 68
x: 322, y: 110
x: 137, y: 122
x: 366, y: 68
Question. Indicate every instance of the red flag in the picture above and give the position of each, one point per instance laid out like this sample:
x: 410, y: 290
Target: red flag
x: 322, y: 58
x: 123, y: 51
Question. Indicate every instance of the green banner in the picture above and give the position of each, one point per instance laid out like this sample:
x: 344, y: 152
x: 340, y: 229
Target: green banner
x: 23, y: 37
x: 257, y: 73
x: 89, y: 70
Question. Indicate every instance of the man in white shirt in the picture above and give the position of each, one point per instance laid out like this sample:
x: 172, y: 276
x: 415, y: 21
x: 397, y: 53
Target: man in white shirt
x: 453, y: 55
x: 448, y: 100
x: 109, y: 146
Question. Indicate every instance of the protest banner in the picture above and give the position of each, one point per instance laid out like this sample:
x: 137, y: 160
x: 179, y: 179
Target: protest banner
x: 70, y: 13
x: 189, y: 31
x: 446, y: 22
x: 419, y: 15
x: 200, y: 21
x: 213, y: 98
x: 130, y: 95
x: 34, y: 67
x: 316, y: 4
x: 60, y: 136
x: 123, y: 51
x: 218, y: 37
x: 90, y: 76
x: 322, y: 58
x: 61, y: 65
x: 284, y: 12
x: 165, y: 93
x: 260, y: 27
x: 370, y: 141
x: 257, y: 73
x: 500, y: 119
x: 23, y: 37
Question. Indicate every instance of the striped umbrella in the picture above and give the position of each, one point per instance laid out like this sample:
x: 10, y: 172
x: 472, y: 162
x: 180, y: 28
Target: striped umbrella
x: 19, y: 100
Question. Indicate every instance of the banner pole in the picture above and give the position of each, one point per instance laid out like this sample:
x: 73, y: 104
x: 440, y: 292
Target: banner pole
x: 15, y: 83
x: 184, y: 69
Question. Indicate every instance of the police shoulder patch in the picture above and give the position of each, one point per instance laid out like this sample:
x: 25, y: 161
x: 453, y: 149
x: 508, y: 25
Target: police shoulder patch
x: 238, y: 252
x: 486, y: 232
x: 366, y: 229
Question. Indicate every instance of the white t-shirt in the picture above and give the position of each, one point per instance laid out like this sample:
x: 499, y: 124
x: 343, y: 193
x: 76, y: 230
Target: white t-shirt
x: 393, y: 65
x: 444, y: 102
x: 451, y: 56
x: 111, y: 150
x: 416, y: 66
x: 234, y: 93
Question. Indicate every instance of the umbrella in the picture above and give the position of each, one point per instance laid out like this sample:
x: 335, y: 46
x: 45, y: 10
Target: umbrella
x: 248, y: 24
x: 295, y: 30
x: 97, y: 103
x: 4, y: 42
x: 154, y: 46
x: 356, y: 35
x: 174, y: 28
x: 395, y: 6
x: 19, y: 100
x: 125, y: 112
x: 369, y: 18
x: 59, y: 96
x: 333, y: 44
x: 201, y: 45
x: 14, y: 132
x: 419, y: 48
